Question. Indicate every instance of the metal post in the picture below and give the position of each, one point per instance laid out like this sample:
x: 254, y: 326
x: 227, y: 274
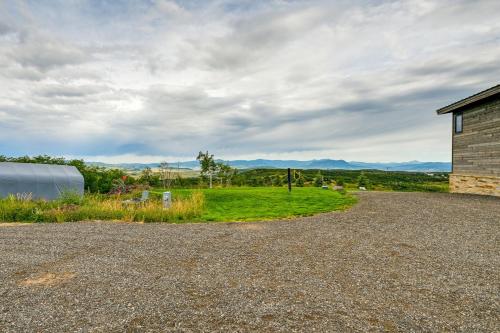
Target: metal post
x: 289, y: 180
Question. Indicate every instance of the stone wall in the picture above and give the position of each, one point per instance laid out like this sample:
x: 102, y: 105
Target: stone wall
x: 475, y: 184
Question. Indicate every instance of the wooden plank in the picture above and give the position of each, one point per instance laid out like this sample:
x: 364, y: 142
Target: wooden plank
x: 477, y: 149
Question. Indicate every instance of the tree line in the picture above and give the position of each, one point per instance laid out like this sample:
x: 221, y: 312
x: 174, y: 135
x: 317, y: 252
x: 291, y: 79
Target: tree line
x: 217, y: 173
x: 105, y: 180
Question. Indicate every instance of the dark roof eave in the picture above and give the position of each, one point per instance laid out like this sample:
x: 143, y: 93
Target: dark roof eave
x: 469, y: 100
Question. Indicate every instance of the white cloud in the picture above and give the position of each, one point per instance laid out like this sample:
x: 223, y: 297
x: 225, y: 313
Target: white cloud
x: 302, y: 79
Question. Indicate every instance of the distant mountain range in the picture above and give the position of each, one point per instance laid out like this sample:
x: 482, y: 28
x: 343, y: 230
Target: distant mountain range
x: 295, y: 164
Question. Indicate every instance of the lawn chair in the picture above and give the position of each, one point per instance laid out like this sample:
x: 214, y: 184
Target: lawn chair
x: 144, y: 197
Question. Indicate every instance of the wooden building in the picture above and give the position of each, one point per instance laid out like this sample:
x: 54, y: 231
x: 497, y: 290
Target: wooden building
x: 476, y: 143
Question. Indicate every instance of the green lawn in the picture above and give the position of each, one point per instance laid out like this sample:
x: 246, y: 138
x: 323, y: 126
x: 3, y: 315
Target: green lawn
x: 261, y: 203
x: 219, y: 204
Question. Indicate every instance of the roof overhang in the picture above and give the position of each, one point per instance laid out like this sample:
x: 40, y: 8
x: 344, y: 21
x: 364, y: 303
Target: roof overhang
x: 470, y: 100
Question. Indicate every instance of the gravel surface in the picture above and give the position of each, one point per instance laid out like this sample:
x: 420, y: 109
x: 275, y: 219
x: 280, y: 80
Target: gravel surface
x: 394, y: 262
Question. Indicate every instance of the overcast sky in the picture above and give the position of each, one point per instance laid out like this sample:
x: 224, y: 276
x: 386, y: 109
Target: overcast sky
x: 142, y: 81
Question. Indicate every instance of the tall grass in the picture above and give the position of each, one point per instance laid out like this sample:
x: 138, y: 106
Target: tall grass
x: 100, y: 207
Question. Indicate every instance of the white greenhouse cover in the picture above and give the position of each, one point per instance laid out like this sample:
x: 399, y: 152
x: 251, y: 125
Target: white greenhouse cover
x: 42, y: 181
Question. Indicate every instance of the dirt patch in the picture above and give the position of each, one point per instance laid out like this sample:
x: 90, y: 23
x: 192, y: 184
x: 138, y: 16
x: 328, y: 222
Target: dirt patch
x: 47, y: 279
x: 13, y: 224
x: 249, y: 226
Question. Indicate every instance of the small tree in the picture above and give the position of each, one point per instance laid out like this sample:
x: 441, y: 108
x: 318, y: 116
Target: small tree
x: 340, y: 181
x: 207, y: 165
x: 299, y: 180
x: 225, y: 173
x: 146, y: 175
x: 363, y: 181
x: 166, y: 175
x: 277, y: 181
x: 318, y: 180
x: 149, y: 178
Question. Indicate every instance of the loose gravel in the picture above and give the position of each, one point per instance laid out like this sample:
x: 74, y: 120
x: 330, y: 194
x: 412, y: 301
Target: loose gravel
x: 408, y: 262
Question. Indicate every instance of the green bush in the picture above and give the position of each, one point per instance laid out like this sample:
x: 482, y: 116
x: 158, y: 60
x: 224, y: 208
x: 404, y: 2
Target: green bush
x: 363, y: 181
x: 70, y: 197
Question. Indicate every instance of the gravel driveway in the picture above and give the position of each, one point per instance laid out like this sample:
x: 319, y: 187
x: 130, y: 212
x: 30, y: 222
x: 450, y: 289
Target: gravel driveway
x: 394, y: 262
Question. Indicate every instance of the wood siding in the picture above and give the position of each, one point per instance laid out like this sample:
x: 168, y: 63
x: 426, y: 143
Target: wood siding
x: 476, y: 151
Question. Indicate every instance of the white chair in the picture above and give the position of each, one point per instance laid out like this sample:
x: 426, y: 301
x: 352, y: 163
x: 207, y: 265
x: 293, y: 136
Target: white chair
x: 144, y: 197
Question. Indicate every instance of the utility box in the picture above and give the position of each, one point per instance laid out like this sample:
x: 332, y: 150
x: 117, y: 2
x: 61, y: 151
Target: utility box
x: 167, y: 199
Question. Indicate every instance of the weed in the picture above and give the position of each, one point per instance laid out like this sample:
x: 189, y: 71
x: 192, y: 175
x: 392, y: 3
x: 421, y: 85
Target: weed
x: 99, y: 207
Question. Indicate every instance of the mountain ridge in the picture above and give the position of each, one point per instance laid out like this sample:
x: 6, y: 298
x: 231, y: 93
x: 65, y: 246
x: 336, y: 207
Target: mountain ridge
x: 416, y: 166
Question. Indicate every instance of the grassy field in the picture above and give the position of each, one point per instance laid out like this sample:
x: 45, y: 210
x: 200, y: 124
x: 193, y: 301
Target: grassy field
x: 375, y: 179
x: 260, y: 203
x: 219, y: 204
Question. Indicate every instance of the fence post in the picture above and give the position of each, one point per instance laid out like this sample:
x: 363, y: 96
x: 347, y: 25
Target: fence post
x: 289, y: 180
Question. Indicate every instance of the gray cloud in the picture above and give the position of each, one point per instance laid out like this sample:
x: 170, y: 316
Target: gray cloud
x: 302, y: 79
x: 29, y: 74
x: 67, y: 91
x: 4, y: 29
x: 47, y: 54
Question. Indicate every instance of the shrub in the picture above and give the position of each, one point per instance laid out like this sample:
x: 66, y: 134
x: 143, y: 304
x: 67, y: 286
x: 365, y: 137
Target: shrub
x: 363, y: 181
x: 299, y: 181
x: 318, y: 181
x: 70, y: 197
